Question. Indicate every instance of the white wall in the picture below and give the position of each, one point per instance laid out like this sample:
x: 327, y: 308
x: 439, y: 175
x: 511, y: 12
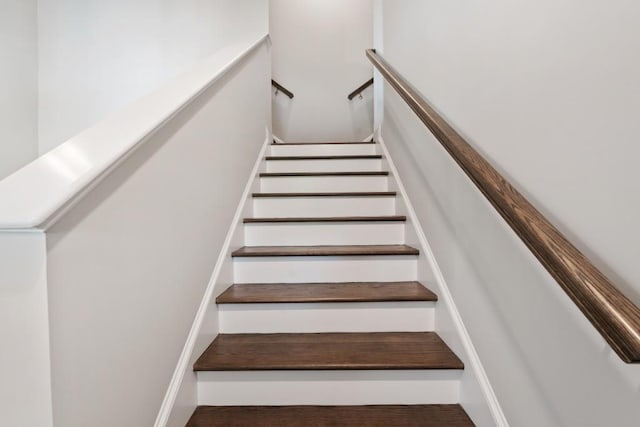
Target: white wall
x: 548, y: 91
x: 25, y: 390
x: 318, y: 54
x: 18, y: 84
x: 97, y: 56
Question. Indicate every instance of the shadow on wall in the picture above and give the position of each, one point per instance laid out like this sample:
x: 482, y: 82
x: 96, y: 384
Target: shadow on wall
x: 281, y: 108
x: 437, y: 204
x: 361, y: 111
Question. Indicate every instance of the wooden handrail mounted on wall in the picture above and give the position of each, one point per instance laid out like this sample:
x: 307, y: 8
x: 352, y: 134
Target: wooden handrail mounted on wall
x: 360, y: 89
x: 611, y: 312
x: 282, y: 89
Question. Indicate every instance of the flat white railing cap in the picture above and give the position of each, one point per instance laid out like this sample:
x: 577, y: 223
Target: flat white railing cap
x: 32, y: 196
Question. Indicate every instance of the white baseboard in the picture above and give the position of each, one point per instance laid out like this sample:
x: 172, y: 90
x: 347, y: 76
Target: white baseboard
x: 184, y: 362
x: 445, y: 297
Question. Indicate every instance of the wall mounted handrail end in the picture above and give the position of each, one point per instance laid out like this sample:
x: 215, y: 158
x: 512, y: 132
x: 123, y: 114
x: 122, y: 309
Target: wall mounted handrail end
x: 280, y: 88
x: 360, y: 89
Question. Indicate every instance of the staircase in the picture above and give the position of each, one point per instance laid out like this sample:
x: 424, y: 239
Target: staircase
x: 326, y: 324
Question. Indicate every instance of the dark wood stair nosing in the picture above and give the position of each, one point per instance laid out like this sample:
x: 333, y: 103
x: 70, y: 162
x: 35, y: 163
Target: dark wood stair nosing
x: 389, y: 218
x: 434, y: 415
x: 325, y: 251
x: 341, y: 292
x: 324, y: 143
x: 336, y: 157
x: 321, y: 174
x: 329, y: 194
x: 328, y: 352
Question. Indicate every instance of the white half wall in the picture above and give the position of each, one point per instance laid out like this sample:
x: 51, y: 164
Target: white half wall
x: 548, y: 92
x: 318, y: 54
x: 129, y: 263
x: 18, y: 84
x: 97, y: 56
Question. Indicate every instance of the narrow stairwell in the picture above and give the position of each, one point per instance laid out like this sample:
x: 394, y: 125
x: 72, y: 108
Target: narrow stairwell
x: 326, y: 324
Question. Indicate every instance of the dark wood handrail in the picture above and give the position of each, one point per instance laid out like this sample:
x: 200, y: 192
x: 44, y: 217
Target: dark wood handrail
x: 611, y: 312
x: 360, y: 89
x: 282, y: 89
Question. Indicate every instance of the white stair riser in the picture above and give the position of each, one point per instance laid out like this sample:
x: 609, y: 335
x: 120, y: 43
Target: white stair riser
x: 337, y: 165
x: 326, y: 184
x: 330, y: 233
x: 327, y: 317
x: 323, y: 150
x: 279, y: 207
x: 325, y: 269
x: 402, y: 387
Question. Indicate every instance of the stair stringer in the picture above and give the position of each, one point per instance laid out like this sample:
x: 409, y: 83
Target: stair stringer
x: 477, y: 395
x: 181, y: 397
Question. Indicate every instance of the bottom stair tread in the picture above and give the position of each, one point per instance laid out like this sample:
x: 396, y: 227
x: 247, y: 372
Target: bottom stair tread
x: 324, y: 416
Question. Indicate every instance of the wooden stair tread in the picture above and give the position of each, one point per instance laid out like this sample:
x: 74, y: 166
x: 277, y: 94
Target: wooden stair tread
x: 336, y: 157
x: 331, y: 416
x: 328, y: 351
x: 329, y: 194
x: 389, y: 218
x: 325, y: 143
x: 315, y: 174
x: 341, y: 250
x: 325, y: 292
